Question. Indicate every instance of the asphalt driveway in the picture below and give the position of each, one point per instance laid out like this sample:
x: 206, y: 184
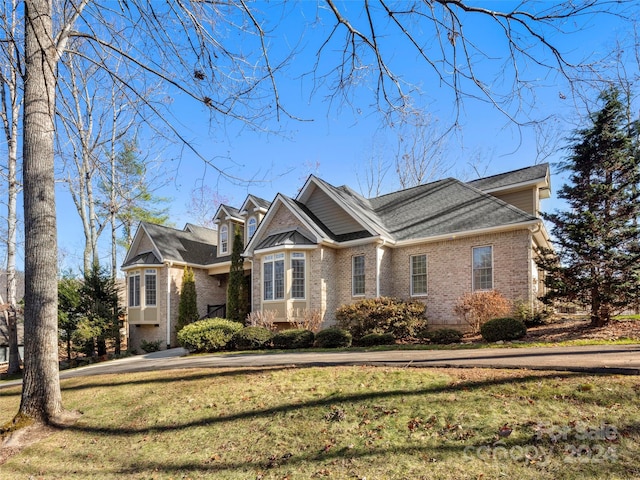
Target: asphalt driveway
x: 608, y: 359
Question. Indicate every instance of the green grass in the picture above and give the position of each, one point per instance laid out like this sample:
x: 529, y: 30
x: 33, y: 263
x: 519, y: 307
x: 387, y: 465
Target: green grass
x: 343, y: 422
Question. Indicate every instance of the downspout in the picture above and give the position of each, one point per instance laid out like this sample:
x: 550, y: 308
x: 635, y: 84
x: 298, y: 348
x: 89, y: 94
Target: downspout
x: 379, y: 246
x: 251, y: 287
x: 168, y: 265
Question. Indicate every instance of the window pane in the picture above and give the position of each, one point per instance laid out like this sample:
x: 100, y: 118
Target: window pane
x: 252, y: 227
x: 419, y: 275
x: 150, y: 288
x: 482, y: 268
x: 134, y: 291
x: 268, y: 280
x: 358, y: 275
x: 224, y: 239
x: 278, y: 279
x: 297, y: 285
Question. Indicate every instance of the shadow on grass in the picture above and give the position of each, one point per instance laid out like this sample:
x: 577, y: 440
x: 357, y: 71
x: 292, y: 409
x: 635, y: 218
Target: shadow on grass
x: 331, y: 399
x: 478, y: 456
x: 216, y: 372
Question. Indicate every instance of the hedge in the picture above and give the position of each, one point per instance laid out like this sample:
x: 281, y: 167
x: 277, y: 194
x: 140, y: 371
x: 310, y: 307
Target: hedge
x: 208, y: 335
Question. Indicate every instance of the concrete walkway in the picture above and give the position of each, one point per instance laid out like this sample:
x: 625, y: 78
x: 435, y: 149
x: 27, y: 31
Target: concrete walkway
x: 607, y: 359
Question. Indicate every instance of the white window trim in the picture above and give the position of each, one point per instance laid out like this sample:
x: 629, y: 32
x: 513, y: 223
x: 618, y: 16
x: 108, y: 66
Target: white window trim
x: 473, y: 279
x: 411, y: 276
x: 150, y: 272
x: 249, y: 233
x: 131, y: 276
x: 364, y: 274
x: 273, y: 258
x: 299, y: 256
x: 224, y: 244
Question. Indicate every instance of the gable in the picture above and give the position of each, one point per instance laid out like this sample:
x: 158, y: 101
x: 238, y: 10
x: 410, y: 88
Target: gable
x: 170, y: 244
x: 332, y: 215
x: 142, y: 248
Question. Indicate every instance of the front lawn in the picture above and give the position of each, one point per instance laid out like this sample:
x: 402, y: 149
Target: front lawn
x: 343, y: 422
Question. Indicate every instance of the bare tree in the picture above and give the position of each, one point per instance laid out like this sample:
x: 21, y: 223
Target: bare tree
x: 10, y: 95
x: 203, y: 204
x: 420, y: 155
x: 239, y: 82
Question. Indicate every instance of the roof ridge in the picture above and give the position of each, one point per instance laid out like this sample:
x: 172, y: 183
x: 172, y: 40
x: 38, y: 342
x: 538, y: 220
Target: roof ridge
x: 509, y: 172
x: 422, y: 185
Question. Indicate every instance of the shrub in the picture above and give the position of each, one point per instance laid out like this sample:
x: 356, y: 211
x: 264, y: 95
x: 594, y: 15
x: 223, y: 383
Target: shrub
x: 445, y: 336
x: 530, y: 316
x: 503, y: 329
x: 305, y: 319
x: 373, y: 339
x: 252, y: 338
x: 149, y: 347
x: 208, y: 335
x: 295, y: 338
x: 264, y: 318
x: 333, y: 338
x: 382, y: 315
x: 476, y: 308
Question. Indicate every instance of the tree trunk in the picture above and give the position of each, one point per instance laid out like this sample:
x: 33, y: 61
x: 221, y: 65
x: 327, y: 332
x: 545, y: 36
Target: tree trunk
x: 41, y: 397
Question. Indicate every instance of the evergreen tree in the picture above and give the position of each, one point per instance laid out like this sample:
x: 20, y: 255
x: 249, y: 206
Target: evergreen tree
x: 188, y: 306
x: 596, y: 261
x: 237, y: 305
x: 69, y: 313
x: 100, y: 309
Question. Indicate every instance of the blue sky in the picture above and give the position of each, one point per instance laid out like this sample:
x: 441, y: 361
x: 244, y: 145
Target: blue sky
x: 338, y: 140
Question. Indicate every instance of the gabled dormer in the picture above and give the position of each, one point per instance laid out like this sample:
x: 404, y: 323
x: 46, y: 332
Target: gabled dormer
x: 227, y: 219
x: 253, y: 211
x: 523, y: 188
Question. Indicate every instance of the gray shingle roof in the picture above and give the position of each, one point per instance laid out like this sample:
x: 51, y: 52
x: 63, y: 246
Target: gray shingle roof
x: 261, y: 202
x: 502, y: 180
x: 442, y: 208
x: 291, y: 237
x: 180, y: 245
x: 146, y: 258
x: 206, y: 235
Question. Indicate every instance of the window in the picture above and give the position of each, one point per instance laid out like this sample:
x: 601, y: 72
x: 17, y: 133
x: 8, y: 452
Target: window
x: 482, y: 268
x: 134, y: 290
x: 150, y: 288
x: 419, y: 275
x: 357, y: 275
x: 273, y: 284
x: 297, y: 275
x: 224, y: 239
x: 251, y: 229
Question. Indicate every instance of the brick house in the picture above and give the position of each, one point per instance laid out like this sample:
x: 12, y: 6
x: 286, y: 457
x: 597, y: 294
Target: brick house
x: 330, y: 246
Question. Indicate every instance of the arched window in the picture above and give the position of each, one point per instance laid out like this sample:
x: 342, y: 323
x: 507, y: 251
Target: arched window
x: 224, y: 239
x: 251, y: 229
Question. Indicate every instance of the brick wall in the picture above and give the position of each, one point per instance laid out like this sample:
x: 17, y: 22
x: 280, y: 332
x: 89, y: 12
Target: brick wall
x: 449, y: 271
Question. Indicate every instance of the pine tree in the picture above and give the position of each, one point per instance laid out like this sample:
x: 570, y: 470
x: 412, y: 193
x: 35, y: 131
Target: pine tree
x: 596, y: 261
x: 188, y: 306
x: 237, y: 305
x: 99, y: 307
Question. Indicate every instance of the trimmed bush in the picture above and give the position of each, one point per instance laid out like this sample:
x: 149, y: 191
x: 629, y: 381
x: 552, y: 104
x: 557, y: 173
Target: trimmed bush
x: 208, y: 335
x: 445, y: 336
x: 333, y: 338
x: 382, y: 315
x: 503, y: 329
x: 293, y: 339
x: 252, y: 338
x: 373, y: 339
